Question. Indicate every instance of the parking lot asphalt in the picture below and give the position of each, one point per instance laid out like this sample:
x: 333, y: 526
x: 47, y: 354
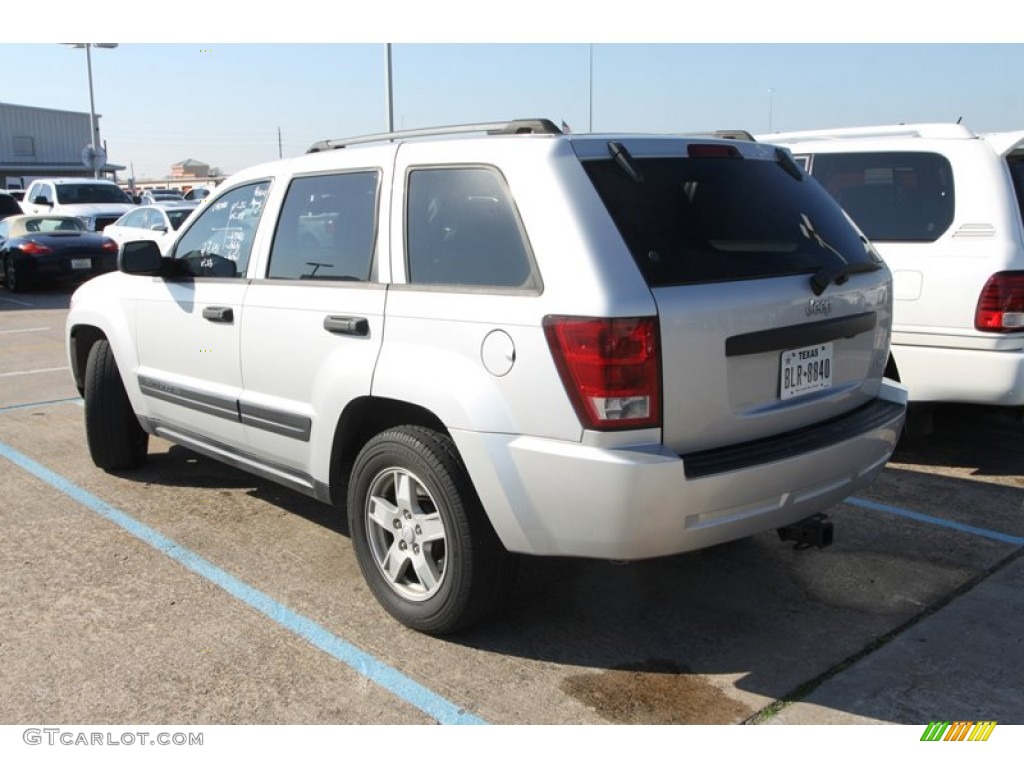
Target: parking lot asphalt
x: 190, y: 592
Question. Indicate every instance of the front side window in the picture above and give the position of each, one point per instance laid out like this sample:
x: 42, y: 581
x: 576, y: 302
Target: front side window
x: 219, y: 242
x: 327, y: 228
x: 462, y: 230
x: 893, y: 196
x: 42, y: 195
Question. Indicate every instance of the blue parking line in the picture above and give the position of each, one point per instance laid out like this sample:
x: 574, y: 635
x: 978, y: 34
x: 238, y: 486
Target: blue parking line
x: 26, y: 406
x: 994, y: 535
x: 432, y: 704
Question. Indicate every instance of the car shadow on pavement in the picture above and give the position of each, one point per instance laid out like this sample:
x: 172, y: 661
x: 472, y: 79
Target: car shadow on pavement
x: 988, y: 441
x: 180, y: 467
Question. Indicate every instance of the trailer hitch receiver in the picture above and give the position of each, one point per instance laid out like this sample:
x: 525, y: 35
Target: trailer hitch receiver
x: 813, y: 531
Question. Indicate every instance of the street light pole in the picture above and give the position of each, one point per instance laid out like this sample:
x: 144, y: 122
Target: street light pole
x: 94, y: 126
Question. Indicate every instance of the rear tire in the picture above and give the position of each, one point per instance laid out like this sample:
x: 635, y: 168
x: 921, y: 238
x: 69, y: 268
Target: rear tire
x: 16, y: 283
x: 116, y: 440
x: 422, y: 539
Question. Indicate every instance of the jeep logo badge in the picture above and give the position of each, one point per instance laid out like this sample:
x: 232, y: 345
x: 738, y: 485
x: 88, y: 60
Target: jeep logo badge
x: 818, y: 307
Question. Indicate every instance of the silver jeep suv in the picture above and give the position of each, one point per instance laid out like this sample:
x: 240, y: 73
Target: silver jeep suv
x: 607, y: 346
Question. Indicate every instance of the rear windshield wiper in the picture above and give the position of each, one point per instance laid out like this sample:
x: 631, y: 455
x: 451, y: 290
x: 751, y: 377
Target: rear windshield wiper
x: 833, y: 273
x: 625, y: 160
x: 839, y: 274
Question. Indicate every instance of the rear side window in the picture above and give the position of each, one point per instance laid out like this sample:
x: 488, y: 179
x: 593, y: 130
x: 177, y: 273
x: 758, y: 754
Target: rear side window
x: 718, y: 219
x: 462, y: 229
x: 1016, y: 164
x: 327, y: 228
x: 893, y: 196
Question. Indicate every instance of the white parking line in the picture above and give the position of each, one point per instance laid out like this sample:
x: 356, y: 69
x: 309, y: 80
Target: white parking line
x: 15, y: 301
x: 26, y: 330
x: 37, y: 370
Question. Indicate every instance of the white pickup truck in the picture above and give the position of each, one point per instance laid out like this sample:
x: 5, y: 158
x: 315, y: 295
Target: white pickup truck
x: 97, y: 202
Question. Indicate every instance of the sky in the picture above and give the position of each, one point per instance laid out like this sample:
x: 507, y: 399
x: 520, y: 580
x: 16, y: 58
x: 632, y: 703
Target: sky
x: 250, y: 89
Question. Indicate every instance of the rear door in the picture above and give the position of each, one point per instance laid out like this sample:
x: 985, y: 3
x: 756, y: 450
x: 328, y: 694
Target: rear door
x: 774, y: 311
x: 314, y: 320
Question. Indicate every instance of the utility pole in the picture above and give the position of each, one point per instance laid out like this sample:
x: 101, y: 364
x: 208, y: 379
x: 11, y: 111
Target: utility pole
x: 280, y: 151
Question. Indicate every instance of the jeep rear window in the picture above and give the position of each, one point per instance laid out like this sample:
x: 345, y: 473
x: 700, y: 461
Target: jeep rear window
x: 718, y: 219
x: 893, y: 196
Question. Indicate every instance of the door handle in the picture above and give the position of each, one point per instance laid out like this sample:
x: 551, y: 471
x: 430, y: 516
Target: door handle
x: 219, y: 314
x: 350, y: 326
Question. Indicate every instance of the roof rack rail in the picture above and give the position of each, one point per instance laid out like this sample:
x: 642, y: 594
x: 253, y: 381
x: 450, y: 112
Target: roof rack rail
x: 903, y: 130
x: 534, y: 126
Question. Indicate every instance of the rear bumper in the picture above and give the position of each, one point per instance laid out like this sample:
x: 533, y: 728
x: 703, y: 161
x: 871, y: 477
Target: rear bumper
x: 58, y: 268
x: 554, y: 498
x: 949, y: 375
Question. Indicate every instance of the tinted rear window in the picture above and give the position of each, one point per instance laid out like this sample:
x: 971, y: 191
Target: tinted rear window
x: 1016, y: 163
x: 893, y: 196
x: 717, y: 219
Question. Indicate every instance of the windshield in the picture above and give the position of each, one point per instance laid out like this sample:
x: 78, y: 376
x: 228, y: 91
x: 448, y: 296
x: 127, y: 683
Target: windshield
x: 716, y: 219
x: 69, y: 194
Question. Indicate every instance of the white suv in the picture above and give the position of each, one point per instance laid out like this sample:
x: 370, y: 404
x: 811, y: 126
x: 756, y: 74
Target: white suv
x: 943, y: 207
x: 97, y: 202
x: 606, y: 346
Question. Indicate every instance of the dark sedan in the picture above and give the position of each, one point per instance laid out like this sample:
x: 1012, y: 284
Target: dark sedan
x: 34, y: 249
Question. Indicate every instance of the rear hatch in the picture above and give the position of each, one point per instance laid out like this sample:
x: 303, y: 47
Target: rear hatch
x: 774, y: 311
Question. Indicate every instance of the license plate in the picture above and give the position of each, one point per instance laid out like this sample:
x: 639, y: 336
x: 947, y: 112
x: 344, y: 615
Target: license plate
x: 808, y: 369
x: 81, y: 263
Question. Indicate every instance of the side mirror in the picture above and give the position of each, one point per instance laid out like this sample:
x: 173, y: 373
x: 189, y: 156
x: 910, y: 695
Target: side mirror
x: 140, y: 257
x: 40, y: 200
x: 158, y: 228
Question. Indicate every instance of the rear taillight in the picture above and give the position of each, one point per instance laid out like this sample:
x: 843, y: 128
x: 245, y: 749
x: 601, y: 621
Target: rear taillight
x: 1001, y: 304
x: 32, y: 248
x: 109, y: 246
x: 610, y: 369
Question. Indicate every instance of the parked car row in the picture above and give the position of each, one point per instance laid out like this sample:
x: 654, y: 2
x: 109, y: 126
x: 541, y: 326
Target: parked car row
x: 102, y: 208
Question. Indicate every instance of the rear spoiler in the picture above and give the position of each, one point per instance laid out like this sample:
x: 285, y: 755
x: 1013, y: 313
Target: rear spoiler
x: 1005, y: 142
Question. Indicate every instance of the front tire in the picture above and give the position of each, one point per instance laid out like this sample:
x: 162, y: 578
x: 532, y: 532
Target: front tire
x: 116, y: 440
x: 421, y: 537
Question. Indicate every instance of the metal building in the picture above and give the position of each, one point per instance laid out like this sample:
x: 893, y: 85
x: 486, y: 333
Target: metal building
x: 36, y: 143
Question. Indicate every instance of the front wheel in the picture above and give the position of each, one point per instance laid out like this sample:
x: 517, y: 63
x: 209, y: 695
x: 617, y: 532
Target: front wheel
x: 115, y: 438
x: 422, y: 540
